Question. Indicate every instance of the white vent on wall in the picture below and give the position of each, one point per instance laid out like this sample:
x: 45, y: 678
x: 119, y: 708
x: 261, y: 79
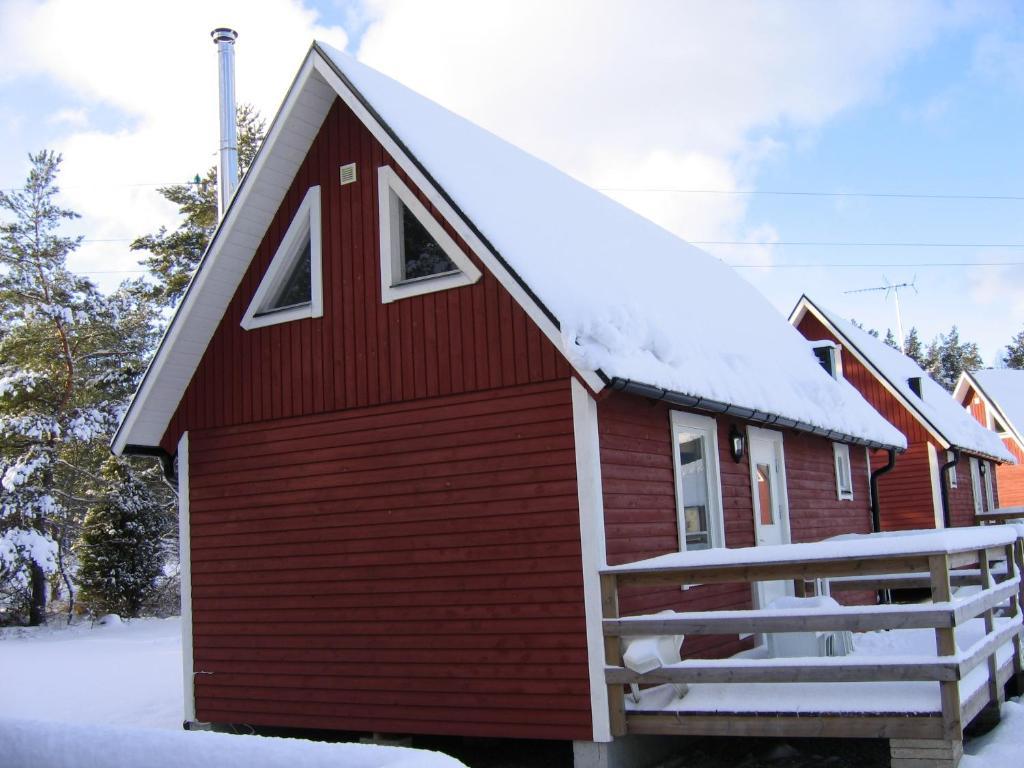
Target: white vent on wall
x: 348, y: 173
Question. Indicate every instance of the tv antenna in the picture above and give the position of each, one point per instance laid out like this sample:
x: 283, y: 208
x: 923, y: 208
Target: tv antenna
x: 894, y: 289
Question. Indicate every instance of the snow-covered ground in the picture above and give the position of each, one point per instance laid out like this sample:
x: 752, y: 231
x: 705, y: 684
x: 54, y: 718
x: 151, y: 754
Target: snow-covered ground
x: 110, y: 696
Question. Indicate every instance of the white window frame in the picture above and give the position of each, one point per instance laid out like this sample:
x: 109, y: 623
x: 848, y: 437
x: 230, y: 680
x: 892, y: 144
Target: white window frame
x: 691, y: 422
x: 843, y: 470
x: 305, y: 224
x: 951, y: 473
x: 391, y: 193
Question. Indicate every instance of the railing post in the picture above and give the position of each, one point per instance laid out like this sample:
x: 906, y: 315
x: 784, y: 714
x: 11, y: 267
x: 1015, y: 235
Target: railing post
x: 1013, y: 569
x: 945, y: 645
x: 613, y: 654
x: 995, y: 690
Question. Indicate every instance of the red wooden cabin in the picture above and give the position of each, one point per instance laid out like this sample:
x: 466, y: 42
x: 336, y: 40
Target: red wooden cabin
x: 995, y: 398
x: 944, y: 478
x: 422, y: 387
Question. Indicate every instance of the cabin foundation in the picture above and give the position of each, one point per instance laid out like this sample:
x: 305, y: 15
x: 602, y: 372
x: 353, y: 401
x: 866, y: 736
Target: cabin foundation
x: 625, y: 751
x: 925, y: 753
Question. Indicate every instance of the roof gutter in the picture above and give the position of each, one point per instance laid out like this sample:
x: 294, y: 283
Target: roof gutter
x: 747, y: 414
x: 947, y: 520
x: 166, y: 460
x: 876, y: 513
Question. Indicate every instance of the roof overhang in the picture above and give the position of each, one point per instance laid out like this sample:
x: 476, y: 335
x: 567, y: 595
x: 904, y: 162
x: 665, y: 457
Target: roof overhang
x: 805, y: 306
x: 968, y: 380
x: 312, y: 93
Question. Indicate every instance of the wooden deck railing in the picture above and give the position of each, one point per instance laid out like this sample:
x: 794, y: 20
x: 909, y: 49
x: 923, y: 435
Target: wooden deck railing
x: 995, y: 568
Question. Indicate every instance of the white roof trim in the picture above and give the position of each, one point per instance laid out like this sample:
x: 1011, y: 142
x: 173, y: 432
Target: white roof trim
x: 231, y: 250
x: 805, y: 305
x: 967, y: 379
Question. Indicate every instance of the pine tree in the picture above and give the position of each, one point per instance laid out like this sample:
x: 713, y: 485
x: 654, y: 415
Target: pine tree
x: 175, y: 255
x: 890, y: 339
x: 948, y: 357
x: 120, y: 552
x: 914, y: 349
x: 1014, y: 356
x: 69, y: 359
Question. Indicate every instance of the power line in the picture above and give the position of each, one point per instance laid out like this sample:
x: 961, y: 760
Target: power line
x: 664, y: 190
x: 810, y: 193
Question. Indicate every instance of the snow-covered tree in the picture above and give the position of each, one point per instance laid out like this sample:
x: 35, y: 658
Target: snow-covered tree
x: 948, y: 357
x: 120, y: 552
x: 174, y: 256
x: 914, y: 349
x: 69, y: 359
x: 890, y: 339
x: 1014, y: 355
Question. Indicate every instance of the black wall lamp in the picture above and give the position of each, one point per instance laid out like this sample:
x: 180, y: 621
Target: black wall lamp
x: 737, y: 444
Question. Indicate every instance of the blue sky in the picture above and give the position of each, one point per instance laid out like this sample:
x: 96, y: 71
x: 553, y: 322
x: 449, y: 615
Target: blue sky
x: 917, y: 97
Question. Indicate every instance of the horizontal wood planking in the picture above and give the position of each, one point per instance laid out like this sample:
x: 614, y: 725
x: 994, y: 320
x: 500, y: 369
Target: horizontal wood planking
x: 329, y: 552
x: 640, y: 506
x: 361, y: 352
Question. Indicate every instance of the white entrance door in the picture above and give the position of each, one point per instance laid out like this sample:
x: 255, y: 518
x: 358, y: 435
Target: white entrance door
x: 771, y: 508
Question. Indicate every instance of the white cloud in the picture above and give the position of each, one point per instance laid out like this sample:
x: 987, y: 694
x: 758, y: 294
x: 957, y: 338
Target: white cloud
x: 156, y: 65
x: 655, y: 94
x: 77, y: 118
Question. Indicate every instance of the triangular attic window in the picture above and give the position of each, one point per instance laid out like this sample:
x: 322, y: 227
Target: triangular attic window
x: 417, y: 255
x: 291, y: 288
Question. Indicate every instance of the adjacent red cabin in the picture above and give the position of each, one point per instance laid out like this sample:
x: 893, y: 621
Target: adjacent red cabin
x: 995, y: 398
x: 419, y: 395
x: 946, y: 475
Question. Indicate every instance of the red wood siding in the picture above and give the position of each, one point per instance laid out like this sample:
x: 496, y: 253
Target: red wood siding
x: 361, y: 352
x: 640, y: 506
x: 905, y: 493
x: 1009, y: 477
x: 409, y: 568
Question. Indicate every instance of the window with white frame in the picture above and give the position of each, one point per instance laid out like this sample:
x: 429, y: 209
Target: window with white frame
x: 698, y: 484
x: 951, y: 474
x: 417, y: 255
x: 844, y: 473
x: 291, y: 288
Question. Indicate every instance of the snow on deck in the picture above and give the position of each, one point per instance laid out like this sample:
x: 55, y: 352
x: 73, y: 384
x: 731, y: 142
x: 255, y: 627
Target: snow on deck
x: 632, y: 299
x: 918, y: 698
x: 848, y: 546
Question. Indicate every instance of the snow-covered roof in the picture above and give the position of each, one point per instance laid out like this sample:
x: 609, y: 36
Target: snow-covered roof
x: 633, y: 300
x: 1004, y: 389
x: 627, y: 300
x: 936, y: 409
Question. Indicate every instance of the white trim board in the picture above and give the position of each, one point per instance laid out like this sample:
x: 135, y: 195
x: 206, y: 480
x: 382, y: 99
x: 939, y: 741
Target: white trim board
x: 592, y: 542
x: 305, y: 225
x: 392, y: 193
x: 992, y: 410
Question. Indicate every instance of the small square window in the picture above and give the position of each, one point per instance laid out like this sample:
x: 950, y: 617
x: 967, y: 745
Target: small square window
x: 844, y: 473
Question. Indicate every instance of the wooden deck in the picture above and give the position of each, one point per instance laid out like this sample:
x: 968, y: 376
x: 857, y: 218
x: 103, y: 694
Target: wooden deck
x: 920, y: 696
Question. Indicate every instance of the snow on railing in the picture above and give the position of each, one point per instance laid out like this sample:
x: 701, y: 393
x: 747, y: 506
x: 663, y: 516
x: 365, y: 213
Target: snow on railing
x: 990, y: 558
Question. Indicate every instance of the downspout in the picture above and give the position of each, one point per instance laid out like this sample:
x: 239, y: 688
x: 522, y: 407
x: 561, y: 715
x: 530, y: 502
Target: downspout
x: 947, y: 519
x: 876, y: 515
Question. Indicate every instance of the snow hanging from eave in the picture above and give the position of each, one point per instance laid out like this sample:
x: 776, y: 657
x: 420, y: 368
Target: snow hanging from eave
x: 936, y: 405
x: 632, y: 299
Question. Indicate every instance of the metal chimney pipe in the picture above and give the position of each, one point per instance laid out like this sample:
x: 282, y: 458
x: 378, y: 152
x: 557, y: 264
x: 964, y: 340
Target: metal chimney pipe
x: 227, y: 172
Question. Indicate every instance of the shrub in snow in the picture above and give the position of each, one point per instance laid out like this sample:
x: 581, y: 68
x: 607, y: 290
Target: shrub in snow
x: 120, y: 550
